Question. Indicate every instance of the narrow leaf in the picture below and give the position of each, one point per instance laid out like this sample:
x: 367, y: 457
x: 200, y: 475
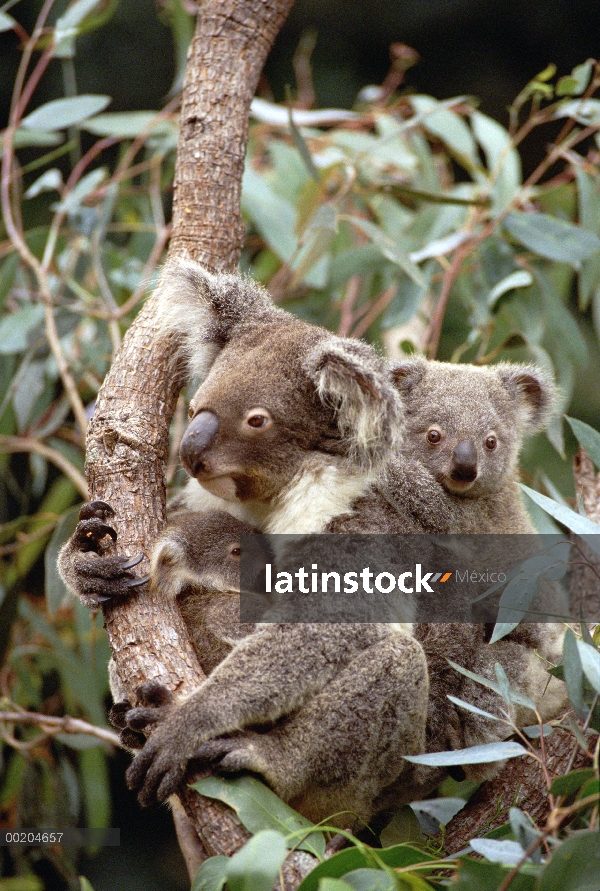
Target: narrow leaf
x: 566, y: 516
x: 61, y: 113
x: 552, y: 238
x: 473, y: 708
x: 255, y: 867
x: 484, y: 754
x: 588, y: 438
x: 498, y: 851
x: 590, y: 663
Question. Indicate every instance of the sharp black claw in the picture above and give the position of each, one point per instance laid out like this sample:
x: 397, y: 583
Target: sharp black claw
x: 135, y: 583
x: 133, y: 561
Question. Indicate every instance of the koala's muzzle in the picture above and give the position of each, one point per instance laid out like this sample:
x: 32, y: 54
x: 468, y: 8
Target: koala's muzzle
x: 464, y: 462
x: 197, y: 440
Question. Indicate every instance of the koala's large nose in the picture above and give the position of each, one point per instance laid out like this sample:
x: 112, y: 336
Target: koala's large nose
x: 198, y: 438
x: 464, y: 461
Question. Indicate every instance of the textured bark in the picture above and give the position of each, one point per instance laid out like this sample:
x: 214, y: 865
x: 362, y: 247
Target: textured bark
x: 584, y: 581
x: 127, y: 443
x: 520, y: 784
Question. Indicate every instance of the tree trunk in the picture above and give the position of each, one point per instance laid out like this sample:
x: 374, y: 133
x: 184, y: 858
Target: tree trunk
x: 127, y: 442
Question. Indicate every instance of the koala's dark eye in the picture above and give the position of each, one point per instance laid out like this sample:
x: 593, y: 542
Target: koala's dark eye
x: 257, y: 421
x: 434, y: 437
x: 257, y: 418
x: 235, y: 550
x: 491, y: 443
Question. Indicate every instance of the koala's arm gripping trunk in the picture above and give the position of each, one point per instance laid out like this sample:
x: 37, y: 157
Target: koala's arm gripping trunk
x: 127, y: 440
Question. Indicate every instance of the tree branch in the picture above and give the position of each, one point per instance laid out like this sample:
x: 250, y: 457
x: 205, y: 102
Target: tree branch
x: 127, y: 443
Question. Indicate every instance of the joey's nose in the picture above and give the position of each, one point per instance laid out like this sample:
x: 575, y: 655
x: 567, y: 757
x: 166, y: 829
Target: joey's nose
x: 198, y: 438
x: 464, y: 461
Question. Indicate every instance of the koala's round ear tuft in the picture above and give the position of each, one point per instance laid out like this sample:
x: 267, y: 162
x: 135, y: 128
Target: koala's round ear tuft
x: 203, y: 308
x: 534, y: 389
x: 353, y: 380
x: 408, y: 374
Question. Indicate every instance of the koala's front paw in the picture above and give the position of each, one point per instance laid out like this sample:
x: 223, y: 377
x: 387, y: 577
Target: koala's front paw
x: 161, y: 766
x: 95, y: 576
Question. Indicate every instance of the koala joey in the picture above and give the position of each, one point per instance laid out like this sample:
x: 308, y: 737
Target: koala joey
x: 324, y: 713
x: 465, y: 426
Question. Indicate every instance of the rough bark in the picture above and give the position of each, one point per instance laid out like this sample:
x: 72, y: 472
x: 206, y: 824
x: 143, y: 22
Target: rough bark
x: 584, y: 581
x: 127, y: 442
x: 520, y: 784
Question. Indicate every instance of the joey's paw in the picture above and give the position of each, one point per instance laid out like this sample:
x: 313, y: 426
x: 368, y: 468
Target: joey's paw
x: 156, y: 703
x: 231, y: 754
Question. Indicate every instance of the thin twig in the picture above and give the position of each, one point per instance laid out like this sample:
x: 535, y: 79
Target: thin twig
x: 29, y: 444
x: 66, y: 724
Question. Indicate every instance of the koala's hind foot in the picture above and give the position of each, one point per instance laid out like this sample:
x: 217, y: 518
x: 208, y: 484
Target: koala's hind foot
x: 92, y: 574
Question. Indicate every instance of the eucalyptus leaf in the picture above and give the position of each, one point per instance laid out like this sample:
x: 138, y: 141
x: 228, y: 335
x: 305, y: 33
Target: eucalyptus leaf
x: 127, y: 124
x: 16, y: 327
x: 571, y: 782
x: 255, y: 867
x: 503, y: 161
x: 587, y: 437
x: 484, y: 754
x: 524, y: 831
x: 399, y: 856
x: 590, y: 663
x: 391, y: 250
x: 211, y: 875
x: 473, y: 708
x: 273, y: 216
x: 6, y: 22
x: 480, y: 875
x: 259, y: 808
x: 61, y: 113
x: 569, y: 518
x: 533, y: 732
x: 49, y: 180
x: 507, y: 852
x: 441, y: 809
x: 574, y: 865
x: 551, y: 237
x: 519, y: 279
x: 573, y: 672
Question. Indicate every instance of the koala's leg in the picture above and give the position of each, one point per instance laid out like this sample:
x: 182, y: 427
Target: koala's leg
x: 345, y: 745
x: 268, y: 675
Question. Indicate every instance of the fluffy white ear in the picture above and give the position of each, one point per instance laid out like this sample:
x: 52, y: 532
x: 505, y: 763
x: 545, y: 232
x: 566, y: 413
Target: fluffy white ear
x: 352, y: 379
x: 203, y: 308
x: 408, y: 374
x: 535, y: 391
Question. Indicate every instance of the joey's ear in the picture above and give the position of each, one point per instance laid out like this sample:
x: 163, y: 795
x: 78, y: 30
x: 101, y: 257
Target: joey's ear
x: 534, y: 390
x: 352, y: 379
x: 407, y: 375
x: 204, y: 308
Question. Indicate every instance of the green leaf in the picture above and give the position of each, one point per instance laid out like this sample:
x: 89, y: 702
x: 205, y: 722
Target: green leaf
x: 67, y: 23
x: 571, y: 782
x: 211, y: 875
x: 503, y: 161
x: 259, y: 808
x: 93, y: 775
x: 255, y: 867
x: 569, y: 518
x: 519, y: 279
x: 588, y: 438
x: 61, y: 113
x: 441, y: 809
x: 127, y: 124
x: 16, y: 327
x: 473, y: 708
x: 478, y: 875
x: 391, y: 250
x: 484, y: 754
x: 399, y: 856
x: 84, y: 187
x: 507, y: 852
x: 552, y: 238
x: 273, y: 216
x: 26, y: 138
x: 371, y: 880
x: 574, y: 866
x: 331, y: 884
x: 50, y: 180
x: 6, y: 22
x: 584, y: 111
x: 590, y: 663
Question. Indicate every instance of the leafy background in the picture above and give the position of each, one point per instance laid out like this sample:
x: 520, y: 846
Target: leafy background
x: 410, y: 221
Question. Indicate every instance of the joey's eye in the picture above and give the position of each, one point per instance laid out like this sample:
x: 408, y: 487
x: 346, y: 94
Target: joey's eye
x: 491, y: 443
x: 258, y: 418
x: 235, y: 550
x: 434, y: 436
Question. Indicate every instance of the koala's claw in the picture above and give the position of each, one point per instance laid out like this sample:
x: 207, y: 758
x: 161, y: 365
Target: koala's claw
x: 90, y: 532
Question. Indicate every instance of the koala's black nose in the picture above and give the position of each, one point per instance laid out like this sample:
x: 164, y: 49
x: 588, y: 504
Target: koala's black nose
x: 464, y: 461
x: 197, y: 440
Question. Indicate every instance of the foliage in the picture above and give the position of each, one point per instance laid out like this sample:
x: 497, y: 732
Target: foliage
x: 407, y: 222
